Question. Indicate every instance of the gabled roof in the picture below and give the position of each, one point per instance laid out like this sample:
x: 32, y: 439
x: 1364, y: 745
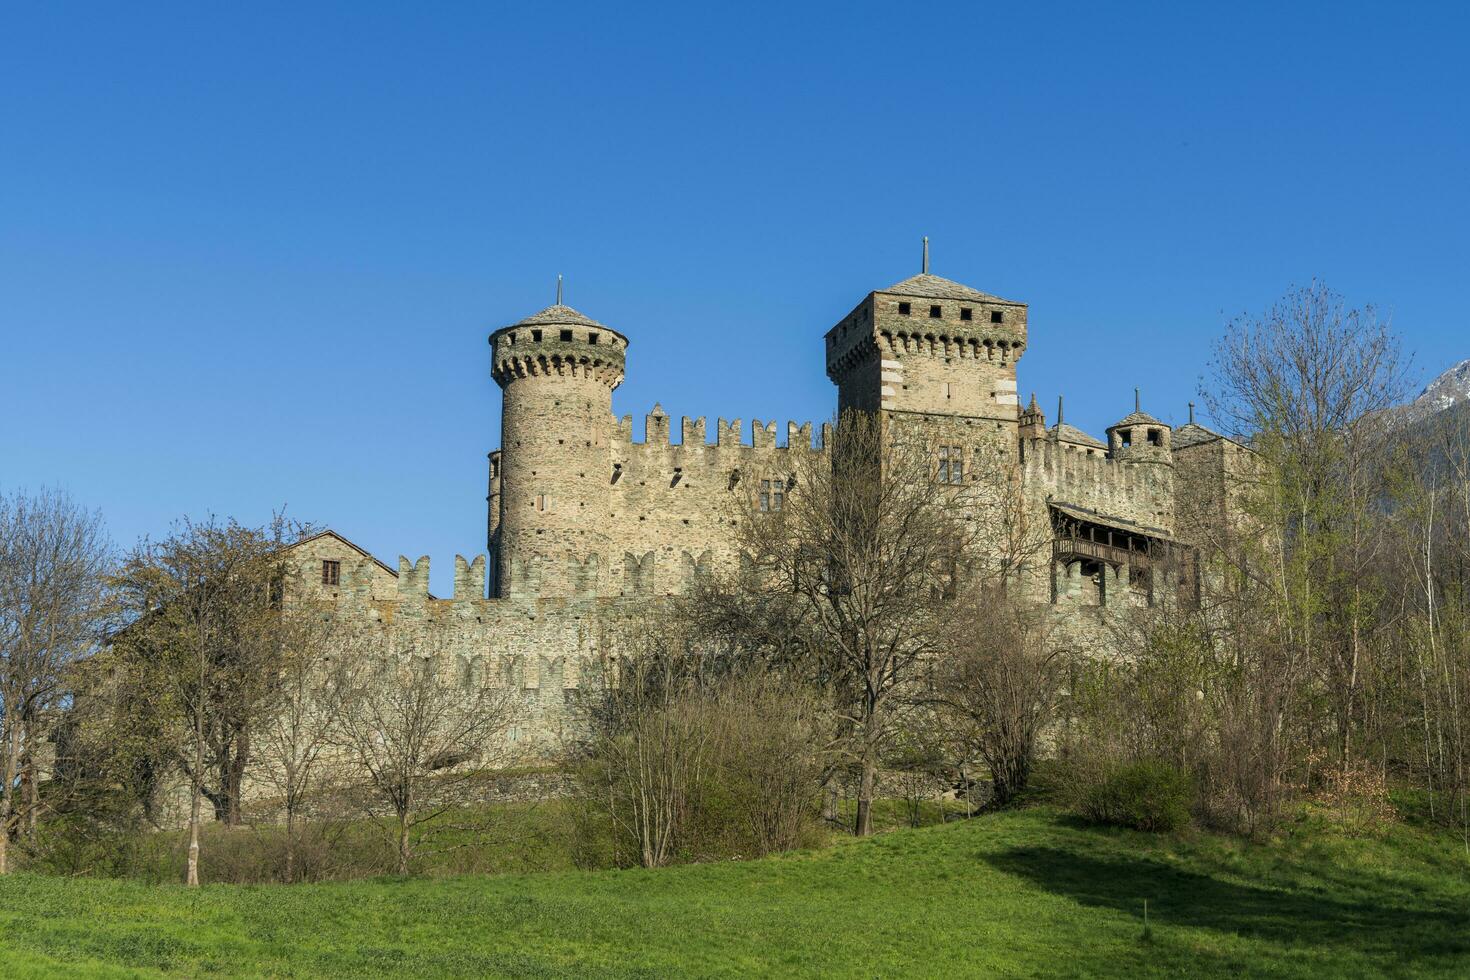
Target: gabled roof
x: 329, y: 533
x: 1070, y: 433
x: 1192, y: 434
x: 558, y: 314
x: 937, y: 287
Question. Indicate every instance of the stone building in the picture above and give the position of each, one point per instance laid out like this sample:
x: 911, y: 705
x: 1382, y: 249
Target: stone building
x: 586, y: 524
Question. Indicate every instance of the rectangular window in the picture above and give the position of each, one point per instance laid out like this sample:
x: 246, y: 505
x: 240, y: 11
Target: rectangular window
x: 965, y: 312
x: 1155, y: 437
x: 772, y: 495
x: 536, y: 336
x: 951, y: 464
x: 592, y: 337
x: 935, y: 313
x: 903, y: 309
x: 996, y: 316
x: 331, y: 572
x: 566, y: 335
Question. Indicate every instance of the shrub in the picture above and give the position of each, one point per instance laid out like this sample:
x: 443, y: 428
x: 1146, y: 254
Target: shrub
x: 1147, y: 795
x: 688, y: 771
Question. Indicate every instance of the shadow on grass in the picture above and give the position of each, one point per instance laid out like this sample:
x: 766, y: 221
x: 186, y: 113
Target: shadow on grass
x: 1185, y: 898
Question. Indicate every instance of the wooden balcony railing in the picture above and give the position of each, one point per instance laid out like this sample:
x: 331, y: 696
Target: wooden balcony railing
x: 1064, y: 547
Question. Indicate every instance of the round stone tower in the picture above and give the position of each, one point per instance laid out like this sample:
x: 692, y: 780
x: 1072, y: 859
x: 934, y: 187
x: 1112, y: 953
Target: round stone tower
x: 558, y: 370
x: 1140, y: 438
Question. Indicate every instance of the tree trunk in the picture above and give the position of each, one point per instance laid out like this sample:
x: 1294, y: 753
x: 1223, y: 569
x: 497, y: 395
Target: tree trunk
x: 7, y: 803
x: 863, y: 826
x: 290, y: 844
x: 403, y: 847
x: 235, y: 779
x: 196, y: 800
x: 192, y: 876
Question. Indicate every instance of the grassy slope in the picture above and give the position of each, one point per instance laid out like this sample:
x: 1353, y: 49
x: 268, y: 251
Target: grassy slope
x: 1024, y: 893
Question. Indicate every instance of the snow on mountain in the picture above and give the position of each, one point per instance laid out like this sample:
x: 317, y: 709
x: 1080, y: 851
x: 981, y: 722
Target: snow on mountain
x: 1443, y: 392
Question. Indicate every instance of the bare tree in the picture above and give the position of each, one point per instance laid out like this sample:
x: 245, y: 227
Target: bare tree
x: 649, y: 750
x: 52, y: 560
x: 1000, y: 684
x: 204, y: 639
x: 419, y: 740
x: 295, y: 744
x: 689, y: 753
x: 1307, y: 383
x: 848, y: 578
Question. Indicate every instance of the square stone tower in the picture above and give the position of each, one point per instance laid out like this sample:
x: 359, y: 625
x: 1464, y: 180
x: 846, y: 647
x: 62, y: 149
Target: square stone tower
x: 930, y: 348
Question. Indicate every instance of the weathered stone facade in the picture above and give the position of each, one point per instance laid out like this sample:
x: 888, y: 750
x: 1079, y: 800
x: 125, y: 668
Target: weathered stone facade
x: 586, y: 525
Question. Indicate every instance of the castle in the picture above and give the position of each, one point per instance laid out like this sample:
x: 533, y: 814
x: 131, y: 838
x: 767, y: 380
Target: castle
x: 586, y: 524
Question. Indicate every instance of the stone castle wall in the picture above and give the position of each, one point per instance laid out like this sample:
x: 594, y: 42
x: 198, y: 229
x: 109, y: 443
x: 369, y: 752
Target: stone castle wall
x: 587, y: 526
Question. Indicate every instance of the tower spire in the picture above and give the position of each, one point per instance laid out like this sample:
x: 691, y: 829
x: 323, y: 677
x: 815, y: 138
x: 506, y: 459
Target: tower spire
x: 1059, y: 413
x: 558, y: 289
x: 926, y: 255
x: 1137, y: 401
x: 1191, y: 413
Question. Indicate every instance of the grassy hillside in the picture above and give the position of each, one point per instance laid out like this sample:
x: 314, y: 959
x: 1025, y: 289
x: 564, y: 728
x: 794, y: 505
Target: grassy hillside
x: 1026, y: 893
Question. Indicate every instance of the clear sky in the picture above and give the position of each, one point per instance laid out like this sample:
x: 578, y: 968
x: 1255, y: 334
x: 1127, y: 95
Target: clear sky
x: 250, y: 254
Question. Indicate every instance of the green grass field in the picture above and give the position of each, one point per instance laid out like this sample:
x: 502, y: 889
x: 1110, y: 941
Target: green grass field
x: 1020, y: 893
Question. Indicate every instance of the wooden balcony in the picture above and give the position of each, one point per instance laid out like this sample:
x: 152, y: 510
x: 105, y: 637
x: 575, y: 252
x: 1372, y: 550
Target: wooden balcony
x: 1077, y: 547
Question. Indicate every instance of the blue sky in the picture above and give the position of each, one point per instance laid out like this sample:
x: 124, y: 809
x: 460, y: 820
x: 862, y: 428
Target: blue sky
x: 249, y: 255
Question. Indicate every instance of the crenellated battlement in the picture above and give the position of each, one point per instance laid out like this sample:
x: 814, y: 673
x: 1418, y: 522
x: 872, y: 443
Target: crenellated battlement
x: 558, y: 342
x: 1139, y: 492
x: 658, y: 434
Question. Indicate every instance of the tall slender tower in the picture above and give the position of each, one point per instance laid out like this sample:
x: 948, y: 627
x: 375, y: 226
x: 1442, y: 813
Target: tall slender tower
x: 558, y: 369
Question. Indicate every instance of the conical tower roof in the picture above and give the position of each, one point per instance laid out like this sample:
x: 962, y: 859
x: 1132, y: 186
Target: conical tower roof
x: 1136, y: 418
x: 558, y: 314
x: 930, y: 286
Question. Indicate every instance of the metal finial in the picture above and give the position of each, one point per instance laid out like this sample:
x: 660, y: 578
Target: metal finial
x: 1191, y: 413
x: 1137, y: 401
x: 926, y: 254
x: 558, y: 289
x: 1059, y: 413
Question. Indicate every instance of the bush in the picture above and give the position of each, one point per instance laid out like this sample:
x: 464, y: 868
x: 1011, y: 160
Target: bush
x: 1148, y: 795
x: 679, y: 772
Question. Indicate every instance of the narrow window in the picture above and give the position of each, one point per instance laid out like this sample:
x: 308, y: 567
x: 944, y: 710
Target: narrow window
x: 935, y: 313
x: 566, y: 335
x: 778, y: 494
x: 951, y: 464
x: 765, y: 495
x: 512, y: 336
x: 536, y: 336
x: 592, y: 338
x: 541, y: 502
x: 946, y: 390
x: 903, y: 309
x: 965, y: 312
x: 331, y: 572
x: 1127, y: 438
x: 996, y: 316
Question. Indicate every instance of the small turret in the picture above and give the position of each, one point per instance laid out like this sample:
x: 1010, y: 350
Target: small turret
x: 1139, y: 437
x: 1033, y: 421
